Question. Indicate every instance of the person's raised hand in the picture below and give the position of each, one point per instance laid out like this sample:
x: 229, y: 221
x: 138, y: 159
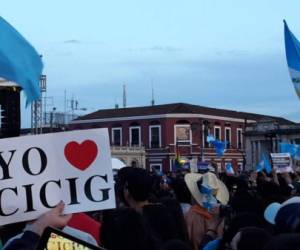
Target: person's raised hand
x: 53, y: 218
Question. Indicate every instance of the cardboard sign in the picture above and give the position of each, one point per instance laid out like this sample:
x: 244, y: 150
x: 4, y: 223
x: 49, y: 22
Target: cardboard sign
x: 36, y: 172
x: 282, y: 162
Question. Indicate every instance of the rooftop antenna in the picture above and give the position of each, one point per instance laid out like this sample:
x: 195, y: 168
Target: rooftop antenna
x: 152, y: 100
x: 124, y: 95
x: 116, y: 104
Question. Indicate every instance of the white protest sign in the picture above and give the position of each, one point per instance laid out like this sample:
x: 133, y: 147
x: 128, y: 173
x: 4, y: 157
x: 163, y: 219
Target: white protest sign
x: 282, y: 162
x: 36, y: 172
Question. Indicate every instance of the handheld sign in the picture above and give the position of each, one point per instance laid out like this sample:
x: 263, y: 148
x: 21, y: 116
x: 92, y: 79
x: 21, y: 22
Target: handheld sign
x: 53, y: 239
x: 36, y: 172
x: 282, y: 162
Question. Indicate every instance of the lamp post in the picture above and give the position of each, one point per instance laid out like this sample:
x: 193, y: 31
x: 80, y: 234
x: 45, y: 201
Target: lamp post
x: 203, y: 133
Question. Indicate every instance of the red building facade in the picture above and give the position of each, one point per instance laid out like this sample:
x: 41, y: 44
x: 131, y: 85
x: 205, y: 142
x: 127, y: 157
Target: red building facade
x: 161, y: 129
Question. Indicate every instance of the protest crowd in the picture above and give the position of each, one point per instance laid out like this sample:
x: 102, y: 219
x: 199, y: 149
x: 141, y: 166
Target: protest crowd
x: 185, y: 209
x: 182, y: 210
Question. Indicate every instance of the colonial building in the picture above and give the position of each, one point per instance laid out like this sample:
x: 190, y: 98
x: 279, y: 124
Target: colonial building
x: 164, y: 129
x: 264, y: 136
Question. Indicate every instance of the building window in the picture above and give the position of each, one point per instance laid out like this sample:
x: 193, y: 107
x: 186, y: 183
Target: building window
x: 156, y: 167
x: 135, y: 136
x: 154, y: 136
x: 116, y: 136
x: 183, y: 134
x: 228, y: 137
x: 239, y: 138
x: 217, y: 133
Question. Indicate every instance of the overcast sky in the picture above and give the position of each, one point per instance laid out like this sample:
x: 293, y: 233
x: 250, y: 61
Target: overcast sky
x: 226, y: 54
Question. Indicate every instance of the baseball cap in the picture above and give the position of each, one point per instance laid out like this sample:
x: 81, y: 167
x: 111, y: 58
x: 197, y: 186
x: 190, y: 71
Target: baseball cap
x: 286, y: 215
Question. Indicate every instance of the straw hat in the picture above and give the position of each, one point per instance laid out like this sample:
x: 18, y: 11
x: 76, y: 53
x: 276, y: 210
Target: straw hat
x: 211, y: 180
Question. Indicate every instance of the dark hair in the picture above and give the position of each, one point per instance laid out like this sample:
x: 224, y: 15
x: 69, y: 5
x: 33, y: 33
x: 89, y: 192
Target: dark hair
x: 253, y: 238
x: 124, y: 229
x: 160, y: 222
x: 239, y: 221
x: 175, y: 210
x: 138, y: 182
x: 181, y: 191
x: 120, y: 183
x: 284, y: 242
x: 174, y: 244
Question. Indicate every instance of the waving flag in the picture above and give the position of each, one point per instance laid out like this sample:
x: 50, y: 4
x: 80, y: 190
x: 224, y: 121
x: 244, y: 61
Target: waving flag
x: 264, y: 164
x: 288, y: 148
x: 218, y: 145
x: 210, y: 138
x: 229, y: 169
x: 292, y: 50
x: 292, y: 149
x: 19, y: 61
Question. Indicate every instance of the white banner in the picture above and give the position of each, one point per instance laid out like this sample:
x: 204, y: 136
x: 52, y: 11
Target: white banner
x: 36, y: 172
x: 282, y: 162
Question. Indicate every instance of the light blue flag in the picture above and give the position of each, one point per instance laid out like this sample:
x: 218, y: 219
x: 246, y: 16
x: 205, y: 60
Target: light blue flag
x: 229, y: 168
x: 264, y: 164
x: 267, y: 164
x: 289, y: 148
x: 292, y: 50
x: 219, y: 147
x: 210, y: 138
x: 19, y: 61
x: 260, y: 166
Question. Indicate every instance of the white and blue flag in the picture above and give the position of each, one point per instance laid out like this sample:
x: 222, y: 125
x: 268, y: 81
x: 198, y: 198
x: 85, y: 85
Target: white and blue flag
x: 229, y: 169
x: 19, y: 61
x: 292, y: 50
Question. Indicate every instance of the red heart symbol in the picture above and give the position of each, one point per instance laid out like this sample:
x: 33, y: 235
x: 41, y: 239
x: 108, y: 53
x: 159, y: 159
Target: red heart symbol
x: 81, y: 155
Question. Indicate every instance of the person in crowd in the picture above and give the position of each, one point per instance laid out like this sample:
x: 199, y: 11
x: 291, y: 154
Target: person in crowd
x: 284, y: 242
x: 286, y: 216
x: 250, y: 238
x: 136, y: 192
x: 174, y: 244
x: 174, y: 208
x: 30, y: 237
x: 182, y: 194
x: 234, y: 224
x: 124, y: 229
x: 208, y: 193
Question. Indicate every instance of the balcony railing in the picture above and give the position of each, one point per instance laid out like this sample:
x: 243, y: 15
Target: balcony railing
x: 127, y: 148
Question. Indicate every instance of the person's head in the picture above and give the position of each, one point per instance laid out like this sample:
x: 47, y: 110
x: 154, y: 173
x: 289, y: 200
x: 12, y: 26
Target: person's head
x: 237, y: 223
x: 285, y: 216
x: 284, y: 242
x: 160, y: 222
x: 181, y: 191
x: 120, y: 182
x: 123, y: 229
x: 250, y: 238
x: 246, y: 201
x: 175, y: 210
x: 137, y: 185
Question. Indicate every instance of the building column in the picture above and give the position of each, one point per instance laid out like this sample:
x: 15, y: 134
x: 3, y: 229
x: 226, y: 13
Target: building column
x: 254, y: 157
x: 258, y: 151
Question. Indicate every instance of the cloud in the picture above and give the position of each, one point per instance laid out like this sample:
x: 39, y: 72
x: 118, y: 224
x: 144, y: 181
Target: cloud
x: 158, y: 48
x: 73, y: 41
